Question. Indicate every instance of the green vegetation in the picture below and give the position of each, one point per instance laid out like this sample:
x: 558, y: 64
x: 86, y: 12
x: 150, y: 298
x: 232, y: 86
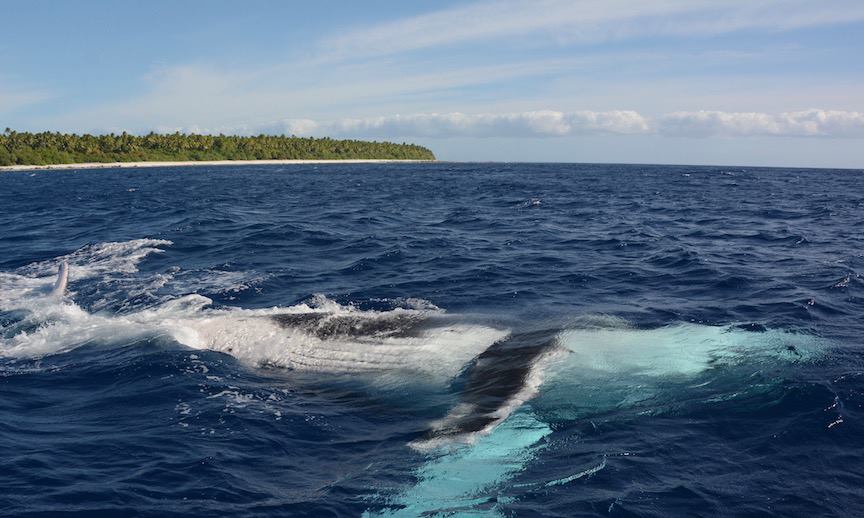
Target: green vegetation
x: 62, y: 148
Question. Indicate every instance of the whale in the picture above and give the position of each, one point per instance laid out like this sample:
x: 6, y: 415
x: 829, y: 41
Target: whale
x: 490, y: 369
x: 508, y: 386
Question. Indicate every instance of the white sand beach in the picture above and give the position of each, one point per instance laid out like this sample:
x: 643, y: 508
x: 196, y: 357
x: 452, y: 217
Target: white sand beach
x: 132, y: 165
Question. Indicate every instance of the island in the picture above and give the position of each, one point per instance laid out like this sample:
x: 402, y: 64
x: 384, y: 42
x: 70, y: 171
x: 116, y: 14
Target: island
x: 66, y: 150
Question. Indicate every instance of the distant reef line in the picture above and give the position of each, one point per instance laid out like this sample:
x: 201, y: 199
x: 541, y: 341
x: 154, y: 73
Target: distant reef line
x: 61, y: 150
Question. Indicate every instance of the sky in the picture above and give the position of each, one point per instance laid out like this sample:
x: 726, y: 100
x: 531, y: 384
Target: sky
x: 729, y: 82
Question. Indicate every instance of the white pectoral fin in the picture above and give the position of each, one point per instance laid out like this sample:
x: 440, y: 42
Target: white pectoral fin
x: 59, y: 288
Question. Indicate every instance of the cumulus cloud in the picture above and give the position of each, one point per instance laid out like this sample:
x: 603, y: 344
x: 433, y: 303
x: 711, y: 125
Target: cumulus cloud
x: 545, y: 123
x: 808, y: 123
x: 550, y: 124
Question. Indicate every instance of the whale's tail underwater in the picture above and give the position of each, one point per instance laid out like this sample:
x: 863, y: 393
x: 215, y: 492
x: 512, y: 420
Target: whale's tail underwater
x: 507, y: 384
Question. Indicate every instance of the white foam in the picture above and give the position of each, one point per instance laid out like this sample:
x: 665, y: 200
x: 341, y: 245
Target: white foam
x: 229, y: 283
x: 100, y: 260
x: 24, y: 289
x: 65, y: 326
x: 50, y: 324
x: 16, y: 290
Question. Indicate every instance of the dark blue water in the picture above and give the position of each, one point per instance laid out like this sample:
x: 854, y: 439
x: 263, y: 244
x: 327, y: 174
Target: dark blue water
x: 436, y: 339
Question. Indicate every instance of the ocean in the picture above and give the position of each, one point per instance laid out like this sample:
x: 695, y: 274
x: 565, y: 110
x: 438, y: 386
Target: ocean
x: 444, y: 339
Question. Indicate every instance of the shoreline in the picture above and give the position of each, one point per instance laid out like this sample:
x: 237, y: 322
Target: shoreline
x: 202, y: 163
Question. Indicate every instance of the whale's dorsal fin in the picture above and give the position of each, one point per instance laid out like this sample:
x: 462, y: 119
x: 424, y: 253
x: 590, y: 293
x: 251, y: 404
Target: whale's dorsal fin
x: 59, y: 288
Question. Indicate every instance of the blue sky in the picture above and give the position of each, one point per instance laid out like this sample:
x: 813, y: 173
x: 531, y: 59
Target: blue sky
x: 742, y: 82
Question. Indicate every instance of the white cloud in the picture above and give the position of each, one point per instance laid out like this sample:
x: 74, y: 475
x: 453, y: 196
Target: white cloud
x: 809, y: 123
x: 206, y: 100
x: 573, y: 21
x: 549, y: 123
x: 544, y: 123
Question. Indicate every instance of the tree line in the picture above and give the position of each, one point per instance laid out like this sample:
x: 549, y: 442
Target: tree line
x: 23, y: 148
